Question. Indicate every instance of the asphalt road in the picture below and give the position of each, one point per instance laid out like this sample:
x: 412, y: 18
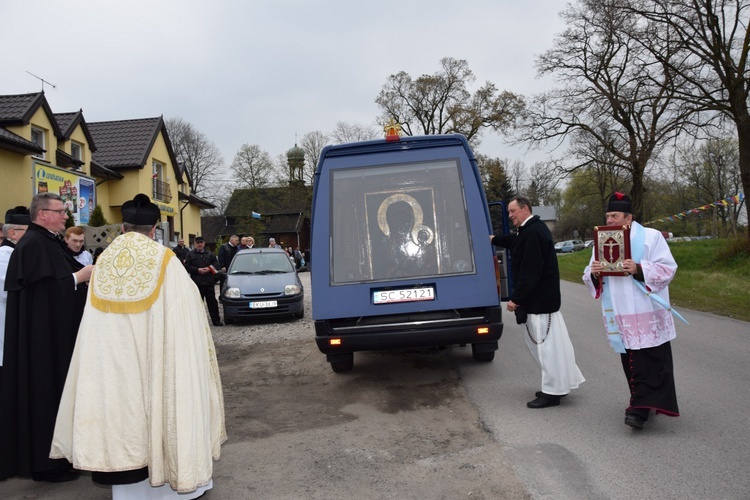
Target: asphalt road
x: 416, y: 424
x: 582, y: 449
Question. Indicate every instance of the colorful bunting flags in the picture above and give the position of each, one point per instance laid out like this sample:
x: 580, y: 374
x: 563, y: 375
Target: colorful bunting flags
x: 734, y: 200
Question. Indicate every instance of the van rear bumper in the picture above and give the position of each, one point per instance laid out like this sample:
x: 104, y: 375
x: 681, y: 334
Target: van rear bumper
x: 406, y: 331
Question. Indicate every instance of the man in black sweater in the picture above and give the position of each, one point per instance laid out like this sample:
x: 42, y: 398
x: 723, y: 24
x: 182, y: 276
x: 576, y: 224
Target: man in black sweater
x: 202, y: 266
x: 535, y: 300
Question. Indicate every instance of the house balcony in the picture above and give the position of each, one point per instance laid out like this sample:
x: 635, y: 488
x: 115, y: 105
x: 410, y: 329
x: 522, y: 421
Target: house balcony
x: 162, y: 191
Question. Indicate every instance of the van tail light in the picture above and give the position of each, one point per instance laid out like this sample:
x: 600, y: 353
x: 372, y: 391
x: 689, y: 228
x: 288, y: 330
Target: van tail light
x: 483, y: 330
x: 497, y: 273
x: 334, y: 341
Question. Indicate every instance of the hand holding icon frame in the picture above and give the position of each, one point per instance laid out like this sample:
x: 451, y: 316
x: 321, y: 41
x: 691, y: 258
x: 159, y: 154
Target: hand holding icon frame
x: 612, y: 248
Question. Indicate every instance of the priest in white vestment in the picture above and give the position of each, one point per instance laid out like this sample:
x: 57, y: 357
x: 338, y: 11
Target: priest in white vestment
x: 639, y: 326
x: 142, y: 406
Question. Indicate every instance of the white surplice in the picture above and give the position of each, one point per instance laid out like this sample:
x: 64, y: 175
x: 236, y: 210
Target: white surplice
x: 642, y: 322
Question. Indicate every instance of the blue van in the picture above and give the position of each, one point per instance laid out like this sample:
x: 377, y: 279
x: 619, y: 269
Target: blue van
x: 400, y: 235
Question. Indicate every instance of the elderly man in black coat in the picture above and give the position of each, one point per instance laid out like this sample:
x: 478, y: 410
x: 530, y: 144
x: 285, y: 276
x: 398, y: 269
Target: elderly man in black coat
x: 536, y: 302
x: 46, y: 297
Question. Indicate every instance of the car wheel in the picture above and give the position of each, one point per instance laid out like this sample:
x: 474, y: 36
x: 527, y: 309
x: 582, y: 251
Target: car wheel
x: 228, y: 320
x: 343, y: 366
x: 300, y: 314
x: 484, y: 357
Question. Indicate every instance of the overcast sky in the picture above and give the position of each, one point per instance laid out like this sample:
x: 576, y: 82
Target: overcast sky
x: 263, y: 72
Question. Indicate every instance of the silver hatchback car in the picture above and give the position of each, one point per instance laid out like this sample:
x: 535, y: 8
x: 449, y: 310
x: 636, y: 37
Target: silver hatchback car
x: 261, y: 282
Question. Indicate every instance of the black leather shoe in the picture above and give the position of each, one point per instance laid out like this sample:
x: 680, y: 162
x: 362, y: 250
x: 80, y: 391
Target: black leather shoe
x: 539, y: 394
x: 544, y: 401
x: 634, y: 421
x: 219, y: 324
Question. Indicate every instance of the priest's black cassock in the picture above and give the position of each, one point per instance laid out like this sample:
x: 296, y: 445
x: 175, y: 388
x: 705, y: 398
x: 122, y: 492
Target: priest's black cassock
x: 44, y: 310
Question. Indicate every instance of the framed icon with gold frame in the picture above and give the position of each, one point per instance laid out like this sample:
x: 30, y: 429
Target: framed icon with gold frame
x: 612, y: 248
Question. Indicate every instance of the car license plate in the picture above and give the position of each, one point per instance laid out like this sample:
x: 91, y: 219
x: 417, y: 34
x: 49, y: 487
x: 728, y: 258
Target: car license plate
x: 403, y: 295
x: 262, y: 304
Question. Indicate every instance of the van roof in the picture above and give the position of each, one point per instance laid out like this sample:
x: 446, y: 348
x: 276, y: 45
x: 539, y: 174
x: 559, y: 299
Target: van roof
x: 409, y: 142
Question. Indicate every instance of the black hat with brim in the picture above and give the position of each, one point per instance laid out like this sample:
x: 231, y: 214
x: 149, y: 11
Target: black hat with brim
x: 140, y: 211
x: 18, y: 216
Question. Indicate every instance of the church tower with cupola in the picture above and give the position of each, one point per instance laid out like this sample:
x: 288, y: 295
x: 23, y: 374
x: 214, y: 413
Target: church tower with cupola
x: 295, y: 158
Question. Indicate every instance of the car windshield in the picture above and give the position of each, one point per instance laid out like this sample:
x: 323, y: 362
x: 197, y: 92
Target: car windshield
x: 260, y: 263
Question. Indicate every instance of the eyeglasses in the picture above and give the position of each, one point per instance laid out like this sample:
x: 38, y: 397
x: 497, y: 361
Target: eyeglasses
x: 59, y: 212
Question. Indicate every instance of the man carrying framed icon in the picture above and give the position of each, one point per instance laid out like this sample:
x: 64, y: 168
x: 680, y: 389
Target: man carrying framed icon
x: 630, y: 270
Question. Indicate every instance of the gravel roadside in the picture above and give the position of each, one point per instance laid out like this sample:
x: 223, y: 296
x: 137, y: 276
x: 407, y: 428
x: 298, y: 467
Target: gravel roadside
x: 399, y: 426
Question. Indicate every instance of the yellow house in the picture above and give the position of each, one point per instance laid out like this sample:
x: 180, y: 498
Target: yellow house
x: 32, y: 143
x: 104, y: 163
x: 141, y: 152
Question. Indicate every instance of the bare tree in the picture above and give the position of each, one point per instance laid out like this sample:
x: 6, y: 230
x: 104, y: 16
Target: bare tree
x: 313, y: 143
x: 607, y: 171
x: 219, y: 193
x: 542, y: 188
x: 440, y: 103
x: 713, y: 37
x: 710, y: 171
x: 253, y: 167
x: 612, y: 90
x: 517, y: 175
x: 581, y: 207
x: 354, y: 132
x: 198, y: 156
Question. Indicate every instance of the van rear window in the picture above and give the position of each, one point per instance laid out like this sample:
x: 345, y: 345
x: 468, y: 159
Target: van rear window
x: 399, y: 221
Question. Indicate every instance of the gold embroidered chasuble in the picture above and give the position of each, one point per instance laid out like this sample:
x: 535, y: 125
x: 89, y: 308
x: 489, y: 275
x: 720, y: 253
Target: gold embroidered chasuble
x: 143, y: 388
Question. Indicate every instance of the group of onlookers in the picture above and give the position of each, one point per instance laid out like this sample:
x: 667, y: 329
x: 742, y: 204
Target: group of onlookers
x: 299, y: 259
x: 108, y: 368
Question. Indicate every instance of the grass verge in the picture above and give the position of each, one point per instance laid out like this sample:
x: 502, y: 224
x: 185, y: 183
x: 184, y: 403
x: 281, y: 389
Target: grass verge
x: 712, y: 276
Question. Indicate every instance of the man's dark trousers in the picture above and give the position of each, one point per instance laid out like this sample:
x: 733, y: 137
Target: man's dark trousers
x: 208, y: 292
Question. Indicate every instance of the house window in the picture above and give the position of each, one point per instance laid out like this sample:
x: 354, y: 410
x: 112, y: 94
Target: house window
x: 157, y: 170
x: 76, y: 150
x: 37, y: 137
x: 162, y: 190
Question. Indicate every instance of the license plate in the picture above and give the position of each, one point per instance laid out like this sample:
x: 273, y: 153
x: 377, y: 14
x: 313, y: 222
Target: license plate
x: 403, y: 295
x: 262, y: 304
